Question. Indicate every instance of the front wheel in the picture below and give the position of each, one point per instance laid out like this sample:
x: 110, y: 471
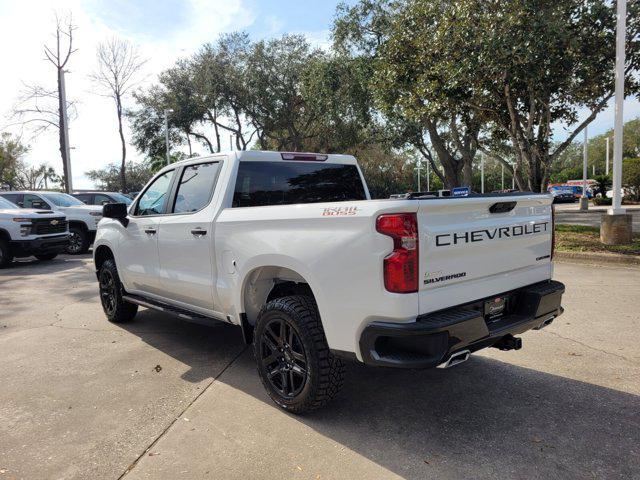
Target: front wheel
x: 78, y: 241
x: 115, y: 307
x: 6, y: 257
x: 294, y: 362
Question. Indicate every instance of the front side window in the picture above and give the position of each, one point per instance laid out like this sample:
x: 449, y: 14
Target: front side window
x: 120, y: 198
x: 195, y: 188
x: 100, y: 199
x: 154, y: 198
x: 61, y: 199
x: 33, y: 201
x: 285, y: 183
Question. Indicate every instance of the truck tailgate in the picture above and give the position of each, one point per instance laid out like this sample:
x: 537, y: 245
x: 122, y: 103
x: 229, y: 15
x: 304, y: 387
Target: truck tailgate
x: 474, y: 247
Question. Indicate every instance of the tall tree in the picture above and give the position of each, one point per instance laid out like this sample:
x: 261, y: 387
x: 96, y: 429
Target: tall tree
x: 46, y: 107
x: 441, y: 131
x: 119, y: 65
x: 519, y: 66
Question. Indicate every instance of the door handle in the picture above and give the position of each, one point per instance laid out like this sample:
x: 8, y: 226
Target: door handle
x: 198, y: 232
x: 150, y: 231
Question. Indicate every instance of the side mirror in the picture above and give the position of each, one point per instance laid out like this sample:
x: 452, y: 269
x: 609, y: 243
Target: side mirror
x: 117, y: 211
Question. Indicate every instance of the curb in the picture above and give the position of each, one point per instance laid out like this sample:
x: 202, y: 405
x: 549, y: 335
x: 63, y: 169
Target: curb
x: 598, y: 258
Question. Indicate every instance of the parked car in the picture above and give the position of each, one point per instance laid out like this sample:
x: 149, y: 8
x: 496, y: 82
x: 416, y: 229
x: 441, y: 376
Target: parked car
x: 25, y: 232
x: 562, y: 194
x: 289, y: 247
x: 83, y: 219
x: 102, y: 198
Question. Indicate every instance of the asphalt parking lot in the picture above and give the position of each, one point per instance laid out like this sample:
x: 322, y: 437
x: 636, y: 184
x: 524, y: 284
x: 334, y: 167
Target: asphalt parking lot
x: 570, y: 214
x: 160, y: 398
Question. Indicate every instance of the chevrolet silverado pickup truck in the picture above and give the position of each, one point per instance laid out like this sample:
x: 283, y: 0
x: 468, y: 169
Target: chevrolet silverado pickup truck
x: 83, y: 219
x: 25, y: 232
x: 290, y: 247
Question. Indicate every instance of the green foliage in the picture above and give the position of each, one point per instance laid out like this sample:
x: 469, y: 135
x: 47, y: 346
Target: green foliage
x: 602, y: 201
x: 138, y: 174
x: 631, y: 176
x: 520, y: 66
x: 11, y: 150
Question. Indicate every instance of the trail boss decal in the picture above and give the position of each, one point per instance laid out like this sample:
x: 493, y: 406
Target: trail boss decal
x: 339, y: 211
x: 486, y: 234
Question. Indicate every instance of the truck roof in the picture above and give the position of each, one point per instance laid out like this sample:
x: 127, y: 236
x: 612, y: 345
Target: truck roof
x: 272, y: 156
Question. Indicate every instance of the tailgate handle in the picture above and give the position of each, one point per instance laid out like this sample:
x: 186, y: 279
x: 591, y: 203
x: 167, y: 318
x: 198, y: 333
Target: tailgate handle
x: 502, y: 207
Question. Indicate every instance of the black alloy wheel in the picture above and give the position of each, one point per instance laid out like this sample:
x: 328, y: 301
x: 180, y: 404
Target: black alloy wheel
x: 108, y: 292
x: 283, y: 357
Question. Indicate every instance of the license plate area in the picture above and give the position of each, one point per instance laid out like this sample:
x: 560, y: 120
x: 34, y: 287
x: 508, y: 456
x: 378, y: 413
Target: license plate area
x: 495, y: 308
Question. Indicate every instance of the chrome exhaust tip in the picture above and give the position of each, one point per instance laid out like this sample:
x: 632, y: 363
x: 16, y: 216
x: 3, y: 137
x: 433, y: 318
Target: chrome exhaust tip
x: 456, y: 359
x: 546, y: 323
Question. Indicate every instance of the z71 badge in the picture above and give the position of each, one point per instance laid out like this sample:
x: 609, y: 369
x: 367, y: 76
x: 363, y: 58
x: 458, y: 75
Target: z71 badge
x: 339, y: 211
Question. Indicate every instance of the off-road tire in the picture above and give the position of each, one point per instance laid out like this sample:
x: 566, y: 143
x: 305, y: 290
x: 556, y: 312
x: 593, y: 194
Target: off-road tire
x: 324, y: 371
x: 116, y: 309
x: 6, y: 257
x: 46, y: 256
x: 79, y: 241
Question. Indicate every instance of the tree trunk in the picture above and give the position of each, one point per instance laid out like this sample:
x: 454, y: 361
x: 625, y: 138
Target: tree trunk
x: 467, y: 171
x: 123, y: 162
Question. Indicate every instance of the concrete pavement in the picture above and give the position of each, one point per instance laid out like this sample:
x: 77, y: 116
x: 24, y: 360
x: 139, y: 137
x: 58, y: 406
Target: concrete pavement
x: 160, y: 398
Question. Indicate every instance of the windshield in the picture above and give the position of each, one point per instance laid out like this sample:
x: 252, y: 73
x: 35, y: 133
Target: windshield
x: 120, y: 198
x: 62, y: 199
x: 7, y: 204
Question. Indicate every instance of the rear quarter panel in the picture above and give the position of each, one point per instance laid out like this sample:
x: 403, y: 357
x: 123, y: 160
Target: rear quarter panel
x: 333, y: 246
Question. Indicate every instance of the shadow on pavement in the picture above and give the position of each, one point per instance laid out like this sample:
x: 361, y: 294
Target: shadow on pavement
x: 483, y: 418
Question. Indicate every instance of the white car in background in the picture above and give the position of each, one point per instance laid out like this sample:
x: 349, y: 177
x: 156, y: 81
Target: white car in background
x: 83, y: 219
x: 41, y: 233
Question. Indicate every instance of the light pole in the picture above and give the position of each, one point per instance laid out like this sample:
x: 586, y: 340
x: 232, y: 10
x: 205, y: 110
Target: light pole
x: 419, y: 170
x: 481, y: 173
x: 65, y: 130
x: 584, y: 200
x: 606, y: 168
x: 616, y: 227
x: 428, y: 177
x: 167, y: 111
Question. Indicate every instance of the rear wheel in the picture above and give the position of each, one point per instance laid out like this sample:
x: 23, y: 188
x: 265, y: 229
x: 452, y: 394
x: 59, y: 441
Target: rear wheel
x: 6, y: 257
x: 47, y: 256
x: 78, y: 241
x: 294, y: 362
x: 115, y: 307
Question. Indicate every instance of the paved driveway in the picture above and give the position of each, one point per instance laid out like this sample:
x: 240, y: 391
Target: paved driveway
x: 570, y: 214
x: 163, y: 399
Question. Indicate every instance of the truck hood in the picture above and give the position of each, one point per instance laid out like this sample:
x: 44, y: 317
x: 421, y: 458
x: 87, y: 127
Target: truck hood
x: 28, y: 213
x: 82, y: 209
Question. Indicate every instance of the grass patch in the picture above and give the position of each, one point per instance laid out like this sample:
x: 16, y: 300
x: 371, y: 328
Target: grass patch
x: 578, y: 238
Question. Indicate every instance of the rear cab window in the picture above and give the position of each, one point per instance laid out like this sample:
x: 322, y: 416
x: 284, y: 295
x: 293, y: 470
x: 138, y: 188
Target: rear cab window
x: 285, y: 183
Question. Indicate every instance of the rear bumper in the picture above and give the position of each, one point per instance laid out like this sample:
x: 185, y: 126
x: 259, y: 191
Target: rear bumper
x: 433, y: 338
x: 40, y: 246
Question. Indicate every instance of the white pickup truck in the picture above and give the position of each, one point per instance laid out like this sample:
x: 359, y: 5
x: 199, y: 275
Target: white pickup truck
x: 289, y: 247
x: 83, y: 219
x: 25, y: 232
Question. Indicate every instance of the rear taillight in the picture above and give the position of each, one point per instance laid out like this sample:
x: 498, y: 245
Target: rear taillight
x: 553, y: 230
x: 401, y: 265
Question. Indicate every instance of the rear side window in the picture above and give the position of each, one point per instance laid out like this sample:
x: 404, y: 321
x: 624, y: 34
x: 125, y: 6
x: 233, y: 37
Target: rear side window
x: 284, y: 183
x: 195, y: 187
x: 12, y: 197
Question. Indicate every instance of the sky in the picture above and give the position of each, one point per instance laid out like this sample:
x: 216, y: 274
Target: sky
x: 163, y: 30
